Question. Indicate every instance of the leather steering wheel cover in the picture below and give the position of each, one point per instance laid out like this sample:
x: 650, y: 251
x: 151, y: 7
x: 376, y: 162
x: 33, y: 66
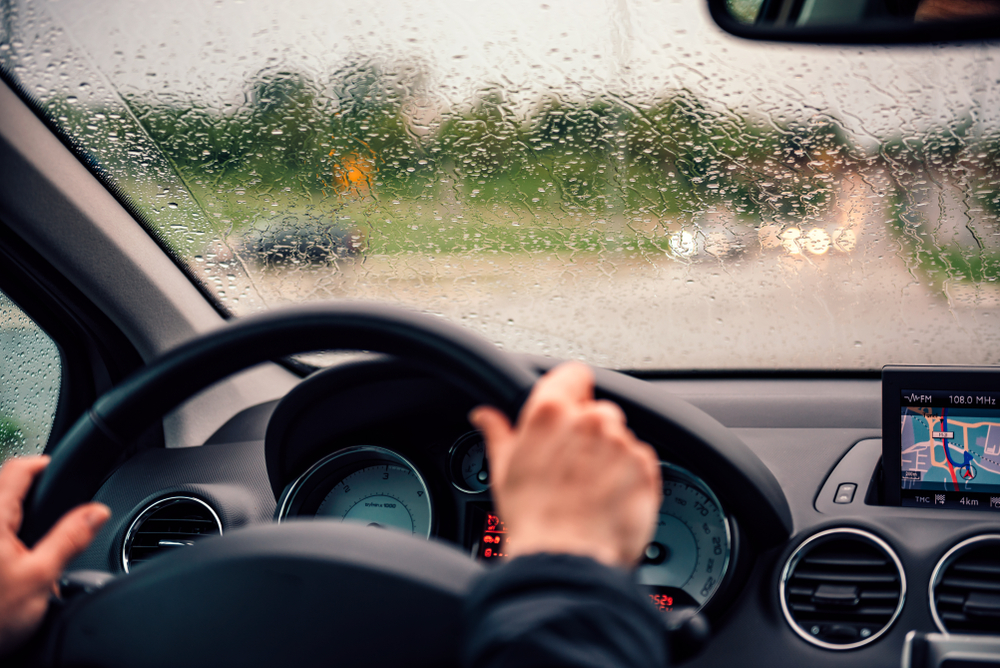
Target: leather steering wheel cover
x: 91, y: 447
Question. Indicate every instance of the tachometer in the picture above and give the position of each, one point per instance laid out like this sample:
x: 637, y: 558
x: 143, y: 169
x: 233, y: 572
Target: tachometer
x: 470, y: 471
x: 364, y: 484
x: 689, y: 555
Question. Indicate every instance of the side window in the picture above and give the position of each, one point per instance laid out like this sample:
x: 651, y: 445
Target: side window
x: 30, y: 378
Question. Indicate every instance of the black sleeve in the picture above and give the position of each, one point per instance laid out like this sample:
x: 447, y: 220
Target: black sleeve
x: 556, y: 610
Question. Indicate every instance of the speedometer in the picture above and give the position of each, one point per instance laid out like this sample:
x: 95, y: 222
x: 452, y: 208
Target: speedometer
x: 363, y: 484
x: 381, y: 495
x: 689, y: 556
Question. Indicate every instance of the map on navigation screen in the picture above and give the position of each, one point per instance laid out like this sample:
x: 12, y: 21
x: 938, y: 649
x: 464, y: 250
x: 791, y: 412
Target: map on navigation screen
x: 950, y: 449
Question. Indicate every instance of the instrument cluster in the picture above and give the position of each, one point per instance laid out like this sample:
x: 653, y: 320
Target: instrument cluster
x: 382, y: 444
x: 683, y: 566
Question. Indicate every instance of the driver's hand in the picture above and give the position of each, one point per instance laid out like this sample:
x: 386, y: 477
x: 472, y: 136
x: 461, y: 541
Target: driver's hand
x: 28, y: 577
x: 571, y: 477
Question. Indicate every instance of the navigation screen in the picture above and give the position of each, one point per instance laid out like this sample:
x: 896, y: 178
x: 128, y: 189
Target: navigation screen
x: 950, y: 449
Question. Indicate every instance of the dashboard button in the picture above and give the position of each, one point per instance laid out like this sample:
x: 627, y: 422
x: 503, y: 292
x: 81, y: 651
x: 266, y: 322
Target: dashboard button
x: 845, y: 493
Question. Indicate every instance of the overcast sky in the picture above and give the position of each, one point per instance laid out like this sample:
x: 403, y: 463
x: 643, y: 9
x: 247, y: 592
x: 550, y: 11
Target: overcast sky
x: 192, y: 49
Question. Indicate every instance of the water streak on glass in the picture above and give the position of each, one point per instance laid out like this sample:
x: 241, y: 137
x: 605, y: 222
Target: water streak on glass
x: 613, y: 181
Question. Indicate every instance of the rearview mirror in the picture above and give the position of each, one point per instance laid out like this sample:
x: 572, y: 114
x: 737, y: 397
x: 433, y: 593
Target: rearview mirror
x: 859, y: 21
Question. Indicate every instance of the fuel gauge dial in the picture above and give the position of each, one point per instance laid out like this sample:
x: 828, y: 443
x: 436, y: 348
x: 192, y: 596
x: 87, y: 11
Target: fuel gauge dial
x: 470, y: 471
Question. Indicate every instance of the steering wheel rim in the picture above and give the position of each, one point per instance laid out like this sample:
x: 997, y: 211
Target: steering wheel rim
x: 211, y: 571
x: 87, y: 452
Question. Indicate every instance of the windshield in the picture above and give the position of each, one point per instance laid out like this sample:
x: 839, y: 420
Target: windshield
x: 611, y: 180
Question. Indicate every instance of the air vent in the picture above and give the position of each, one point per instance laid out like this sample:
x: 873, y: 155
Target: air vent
x: 173, y: 522
x: 965, y: 587
x: 842, y: 588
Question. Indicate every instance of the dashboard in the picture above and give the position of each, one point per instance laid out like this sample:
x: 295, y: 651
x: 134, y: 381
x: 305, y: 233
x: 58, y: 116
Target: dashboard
x: 380, y: 442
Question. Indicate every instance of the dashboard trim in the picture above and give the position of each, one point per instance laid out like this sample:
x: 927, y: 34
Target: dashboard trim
x: 940, y: 567
x: 152, y: 508
x: 792, y: 561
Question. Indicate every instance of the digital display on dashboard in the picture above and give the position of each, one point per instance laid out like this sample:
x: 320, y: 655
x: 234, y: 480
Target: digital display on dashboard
x: 950, y: 449
x: 946, y: 452
x: 491, y: 546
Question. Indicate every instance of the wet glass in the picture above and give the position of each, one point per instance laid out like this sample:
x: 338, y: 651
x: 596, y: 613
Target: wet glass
x: 615, y: 181
x: 30, y: 377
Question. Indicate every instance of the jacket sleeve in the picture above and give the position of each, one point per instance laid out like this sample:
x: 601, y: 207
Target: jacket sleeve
x: 557, y: 610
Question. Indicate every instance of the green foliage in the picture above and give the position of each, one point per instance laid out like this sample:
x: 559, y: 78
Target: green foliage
x: 351, y: 139
x: 11, y: 437
x: 367, y: 146
x: 947, y: 162
x: 745, y: 11
x: 939, y: 261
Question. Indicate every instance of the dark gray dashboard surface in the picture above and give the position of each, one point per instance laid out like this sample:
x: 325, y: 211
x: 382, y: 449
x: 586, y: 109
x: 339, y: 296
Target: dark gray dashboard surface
x: 800, y: 429
x: 230, y: 476
x: 784, y: 403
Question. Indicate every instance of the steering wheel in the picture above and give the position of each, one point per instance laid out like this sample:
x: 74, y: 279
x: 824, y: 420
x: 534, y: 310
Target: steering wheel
x: 302, y: 592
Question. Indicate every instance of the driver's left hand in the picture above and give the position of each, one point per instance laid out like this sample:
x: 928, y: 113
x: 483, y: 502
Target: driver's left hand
x: 28, y: 576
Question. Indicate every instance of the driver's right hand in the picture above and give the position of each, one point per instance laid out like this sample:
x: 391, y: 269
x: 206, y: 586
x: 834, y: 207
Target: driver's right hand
x: 571, y: 477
